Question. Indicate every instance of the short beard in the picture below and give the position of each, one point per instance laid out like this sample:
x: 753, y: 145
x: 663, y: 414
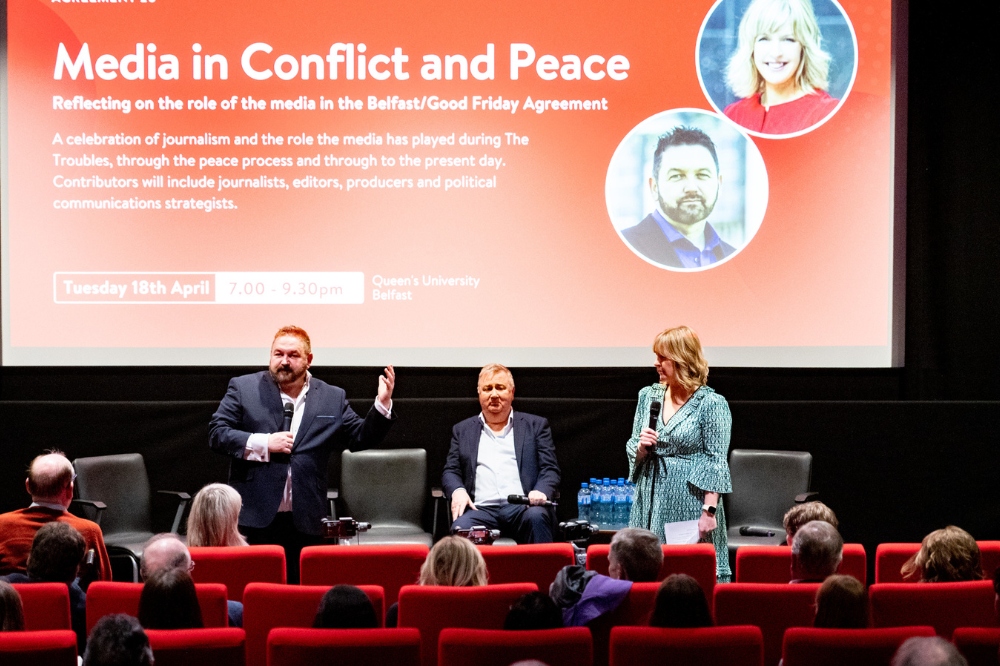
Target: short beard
x: 682, y: 214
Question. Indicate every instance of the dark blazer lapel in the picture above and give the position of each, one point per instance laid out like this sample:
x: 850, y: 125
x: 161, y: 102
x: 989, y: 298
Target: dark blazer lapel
x: 471, y: 444
x: 519, y: 436
x: 271, y: 399
x: 313, y: 400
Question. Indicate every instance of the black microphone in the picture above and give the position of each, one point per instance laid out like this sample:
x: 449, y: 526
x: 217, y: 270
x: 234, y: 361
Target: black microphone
x: 654, y: 414
x: 286, y: 425
x: 523, y: 499
x: 746, y: 530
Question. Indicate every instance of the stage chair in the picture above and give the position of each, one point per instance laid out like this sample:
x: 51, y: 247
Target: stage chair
x: 38, y: 648
x: 267, y: 606
x: 357, y: 647
x: 633, y: 612
x: 696, y: 560
x: 773, y: 564
x: 104, y: 598
x: 120, y: 482
x: 889, y: 559
x: 433, y: 608
x: 387, y: 488
x: 765, y: 485
x: 487, y: 647
x: 389, y: 565
x: 709, y: 646
x: 198, y: 647
x: 772, y: 607
x: 944, y: 606
x: 46, y: 606
x: 979, y: 646
x: 806, y: 646
x: 529, y: 563
x: 235, y: 566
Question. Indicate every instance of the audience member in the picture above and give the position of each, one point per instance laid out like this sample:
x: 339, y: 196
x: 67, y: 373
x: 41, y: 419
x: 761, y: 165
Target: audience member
x: 167, y: 551
x: 534, y: 610
x: 945, y: 556
x: 841, y: 603
x: 11, y: 611
x: 169, y: 601
x: 345, y: 607
x: 453, y: 562
x: 680, y: 603
x: 635, y: 556
x: 214, y: 518
x: 50, y: 484
x: 118, y: 640
x: 928, y: 651
x: 56, y: 553
x: 996, y: 591
x: 800, y: 514
x: 817, y: 549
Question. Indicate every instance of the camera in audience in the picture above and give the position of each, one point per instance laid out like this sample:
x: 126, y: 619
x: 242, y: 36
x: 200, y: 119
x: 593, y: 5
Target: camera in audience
x: 573, y: 530
x: 336, y: 529
x: 478, y: 534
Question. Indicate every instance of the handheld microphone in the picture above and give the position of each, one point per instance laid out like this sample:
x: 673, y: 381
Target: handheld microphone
x: 286, y: 425
x: 654, y: 414
x: 746, y: 530
x: 523, y: 499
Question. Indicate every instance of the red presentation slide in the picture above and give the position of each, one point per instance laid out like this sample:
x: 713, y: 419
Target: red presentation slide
x: 448, y: 183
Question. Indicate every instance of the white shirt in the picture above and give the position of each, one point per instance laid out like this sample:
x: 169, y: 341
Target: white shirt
x: 497, y: 475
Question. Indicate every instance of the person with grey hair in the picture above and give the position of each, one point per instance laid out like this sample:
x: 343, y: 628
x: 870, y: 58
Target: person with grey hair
x: 635, y: 555
x: 928, y: 651
x: 817, y: 550
x: 118, y: 640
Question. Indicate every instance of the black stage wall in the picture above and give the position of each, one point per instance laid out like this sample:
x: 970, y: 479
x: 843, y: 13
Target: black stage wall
x: 897, y: 452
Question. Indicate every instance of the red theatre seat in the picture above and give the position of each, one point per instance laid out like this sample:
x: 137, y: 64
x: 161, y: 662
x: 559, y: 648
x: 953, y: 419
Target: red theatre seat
x: 696, y: 560
x: 979, y: 646
x: 634, y: 612
x: 487, y: 647
x: 389, y: 566
x: 37, y: 648
x: 772, y: 607
x: 889, y: 559
x: 944, y: 606
x: 710, y: 646
x: 198, y: 647
x: 431, y: 609
x: 531, y: 563
x: 357, y: 647
x: 806, y: 646
x: 773, y: 564
x: 105, y: 598
x: 267, y: 606
x: 46, y: 606
x: 235, y: 566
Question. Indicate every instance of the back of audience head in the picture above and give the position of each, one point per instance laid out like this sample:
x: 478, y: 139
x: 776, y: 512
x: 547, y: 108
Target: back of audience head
x: 345, y: 607
x: 534, y: 610
x: 11, y: 610
x: 169, y: 601
x: 214, y: 517
x: 454, y: 562
x: 946, y: 555
x: 164, y: 551
x: 635, y: 555
x: 680, y: 603
x: 118, y: 640
x: 56, y: 553
x: 928, y: 651
x: 841, y: 603
x: 800, y: 514
x: 50, y: 478
x: 816, y: 551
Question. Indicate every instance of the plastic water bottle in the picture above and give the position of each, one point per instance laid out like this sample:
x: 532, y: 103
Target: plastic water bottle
x: 612, y: 509
x: 583, y: 502
x: 596, y: 514
x: 607, y: 502
x: 629, y: 501
x: 621, y: 505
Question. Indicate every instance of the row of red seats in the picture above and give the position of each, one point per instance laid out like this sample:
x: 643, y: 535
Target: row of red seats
x: 771, y: 607
x: 722, y: 646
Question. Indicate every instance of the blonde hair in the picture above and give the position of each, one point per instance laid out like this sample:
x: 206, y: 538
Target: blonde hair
x: 765, y: 17
x: 945, y: 556
x: 215, y: 514
x: 682, y: 346
x: 495, y: 369
x: 454, y: 562
x: 800, y: 514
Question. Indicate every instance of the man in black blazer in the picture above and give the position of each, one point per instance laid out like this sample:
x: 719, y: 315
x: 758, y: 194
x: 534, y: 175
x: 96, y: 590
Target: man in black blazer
x: 499, y: 453
x: 279, y: 468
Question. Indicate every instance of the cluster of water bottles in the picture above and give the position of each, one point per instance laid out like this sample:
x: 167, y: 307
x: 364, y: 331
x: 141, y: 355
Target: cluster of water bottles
x: 606, y: 503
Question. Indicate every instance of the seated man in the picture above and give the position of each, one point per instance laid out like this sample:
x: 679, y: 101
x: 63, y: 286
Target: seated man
x: 635, y: 557
x: 499, y: 453
x: 50, y: 484
x: 167, y: 551
x: 817, y: 550
x: 800, y: 514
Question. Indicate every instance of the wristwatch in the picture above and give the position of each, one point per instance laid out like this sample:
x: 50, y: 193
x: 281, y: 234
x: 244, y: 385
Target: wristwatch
x: 709, y: 509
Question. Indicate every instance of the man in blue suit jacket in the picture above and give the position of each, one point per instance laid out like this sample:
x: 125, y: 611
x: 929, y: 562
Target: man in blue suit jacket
x: 499, y: 453
x: 279, y: 469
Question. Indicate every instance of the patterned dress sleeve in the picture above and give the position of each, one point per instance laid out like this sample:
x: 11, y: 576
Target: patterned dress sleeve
x: 711, y: 469
x: 638, y: 422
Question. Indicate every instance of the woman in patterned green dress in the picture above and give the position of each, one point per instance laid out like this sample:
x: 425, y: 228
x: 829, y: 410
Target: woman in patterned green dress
x: 680, y: 468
